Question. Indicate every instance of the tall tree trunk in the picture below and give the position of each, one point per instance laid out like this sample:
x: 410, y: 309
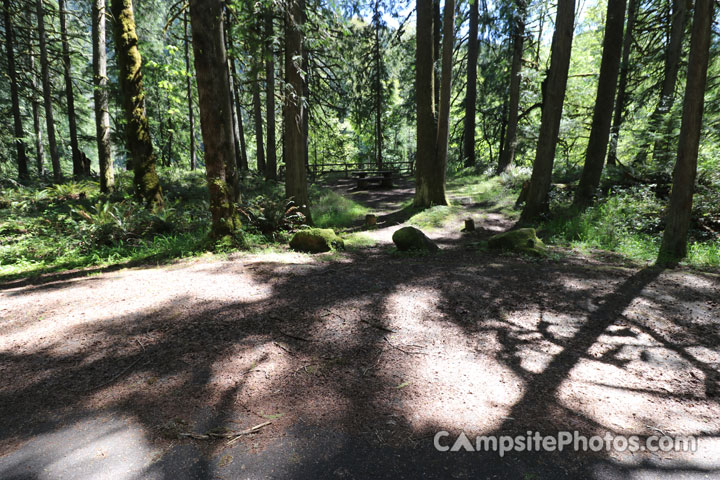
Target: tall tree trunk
x: 258, y: 118
x: 554, y: 97
x: 674, y: 243
x: 507, y: 157
x: 14, y: 95
x: 378, y: 88
x: 188, y: 86
x: 231, y: 78
x: 602, y: 115
x: 47, y: 92
x: 238, y: 114
x: 443, y: 133
x: 294, y: 141
x: 271, y: 166
x: 622, y: 83
x: 78, y: 169
x: 147, y: 184
x: 437, y: 37
x: 672, y: 66
x: 39, y: 148
x: 102, y: 109
x: 214, y: 95
x: 429, y: 174
x: 306, y: 96
x: 471, y: 92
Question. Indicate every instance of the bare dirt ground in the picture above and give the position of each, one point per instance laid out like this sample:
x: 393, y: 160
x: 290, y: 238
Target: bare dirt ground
x: 357, y: 359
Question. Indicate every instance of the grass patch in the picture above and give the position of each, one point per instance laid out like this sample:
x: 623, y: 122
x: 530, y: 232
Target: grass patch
x: 330, y: 209
x: 358, y: 240
x: 628, y: 222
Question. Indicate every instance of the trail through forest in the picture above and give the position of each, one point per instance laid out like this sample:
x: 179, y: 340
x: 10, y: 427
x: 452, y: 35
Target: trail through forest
x: 357, y: 355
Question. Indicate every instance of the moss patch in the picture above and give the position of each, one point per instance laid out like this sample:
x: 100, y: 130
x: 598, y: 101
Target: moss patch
x: 523, y: 240
x: 316, y: 240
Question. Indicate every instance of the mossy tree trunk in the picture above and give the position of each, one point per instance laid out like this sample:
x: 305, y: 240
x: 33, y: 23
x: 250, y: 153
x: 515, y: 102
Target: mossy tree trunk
x: 214, y: 96
x: 137, y: 131
x: 602, y: 115
x: 293, y: 110
x: 102, y: 108
x: 14, y: 96
x: 674, y: 243
x: 554, y: 98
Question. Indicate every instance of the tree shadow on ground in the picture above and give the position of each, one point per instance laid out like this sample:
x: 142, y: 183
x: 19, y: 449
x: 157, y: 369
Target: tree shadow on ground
x: 357, y: 362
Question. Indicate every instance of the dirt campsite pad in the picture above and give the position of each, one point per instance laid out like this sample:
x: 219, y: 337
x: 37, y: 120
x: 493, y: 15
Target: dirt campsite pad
x: 346, y: 365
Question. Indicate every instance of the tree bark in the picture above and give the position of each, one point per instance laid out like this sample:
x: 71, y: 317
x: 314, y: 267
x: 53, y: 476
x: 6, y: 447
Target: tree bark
x: 233, y: 91
x: 471, y: 92
x: 554, y: 97
x: 437, y: 37
x: 102, y: 109
x: 672, y: 66
x: 214, y: 95
x: 189, y: 89
x: 47, y: 92
x: 622, y: 83
x: 294, y: 138
x: 238, y: 114
x: 378, y: 88
x: 429, y: 173
x: 146, y: 182
x: 507, y: 157
x: 257, y: 115
x: 443, y: 133
x: 19, y: 132
x: 78, y: 167
x: 602, y: 115
x: 39, y: 148
x: 271, y: 166
x: 674, y: 243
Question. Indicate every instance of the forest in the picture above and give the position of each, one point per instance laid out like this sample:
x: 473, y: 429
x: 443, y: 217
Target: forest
x: 347, y: 196
x: 112, y: 128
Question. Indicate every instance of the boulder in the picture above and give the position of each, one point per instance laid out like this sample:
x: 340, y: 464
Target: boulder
x: 410, y: 238
x: 523, y: 240
x: 316, y: 240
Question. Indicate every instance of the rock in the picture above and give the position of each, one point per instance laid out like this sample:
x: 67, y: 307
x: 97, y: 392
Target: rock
x: 522, y: 240
x: 410, y: 238
x: 316, y: 240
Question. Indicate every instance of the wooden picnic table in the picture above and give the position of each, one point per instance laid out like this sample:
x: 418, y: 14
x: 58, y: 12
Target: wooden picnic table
x: 365, y: 177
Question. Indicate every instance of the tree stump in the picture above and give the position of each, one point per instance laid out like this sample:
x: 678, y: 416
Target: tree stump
x: 469, y: 225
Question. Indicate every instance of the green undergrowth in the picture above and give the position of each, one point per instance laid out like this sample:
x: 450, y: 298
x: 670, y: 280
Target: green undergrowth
x: 627, y: 222
x: 49, y: 228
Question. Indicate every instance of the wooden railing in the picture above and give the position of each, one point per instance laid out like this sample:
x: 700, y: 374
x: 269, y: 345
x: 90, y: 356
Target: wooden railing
x: 347, y: 168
